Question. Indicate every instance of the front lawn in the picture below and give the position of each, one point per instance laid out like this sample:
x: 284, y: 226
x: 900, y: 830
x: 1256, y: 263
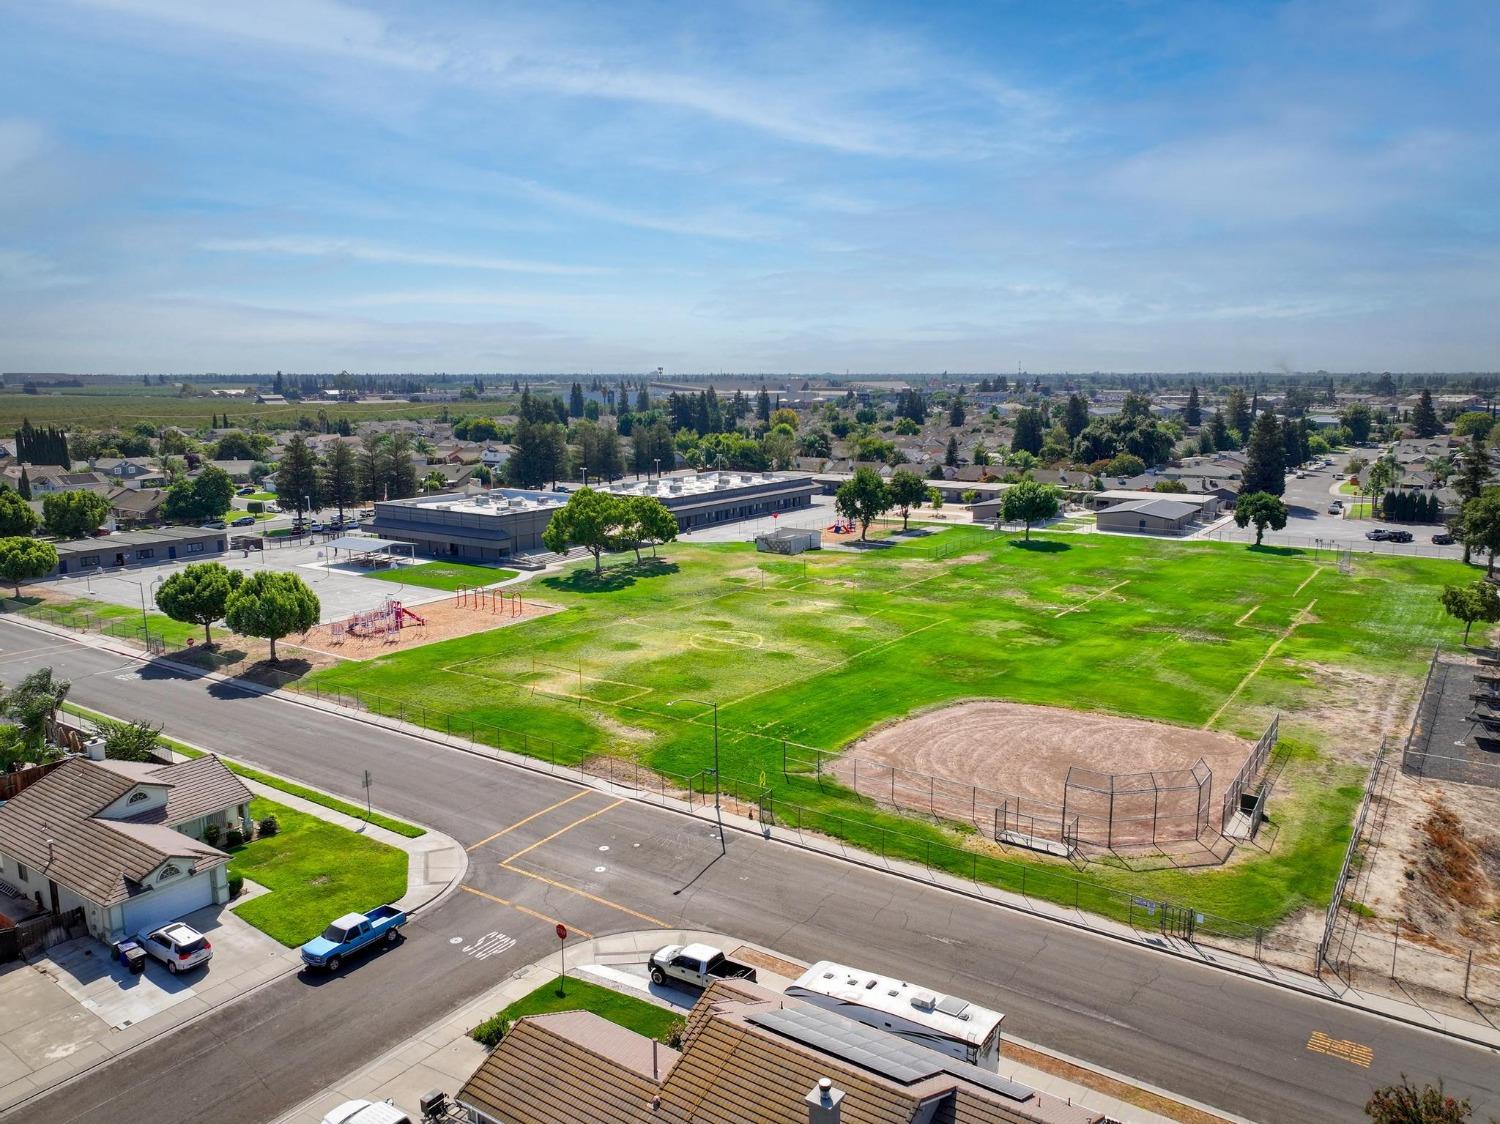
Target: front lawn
x: 316, y: 872
x: 572, y: 994
x: 444, y: 575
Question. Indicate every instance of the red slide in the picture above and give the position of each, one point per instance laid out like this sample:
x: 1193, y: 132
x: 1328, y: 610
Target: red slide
x: 403, y: 613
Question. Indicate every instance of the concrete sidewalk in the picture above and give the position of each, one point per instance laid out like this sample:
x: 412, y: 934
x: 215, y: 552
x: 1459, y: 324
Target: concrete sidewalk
x: 1331, y: 989
x: 443, y: 1055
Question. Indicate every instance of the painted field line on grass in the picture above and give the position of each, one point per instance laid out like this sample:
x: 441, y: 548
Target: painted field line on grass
x: 1316, y: 571
x: 1248, y: 614
x: 1260, y: 663
x: 1091, y: 600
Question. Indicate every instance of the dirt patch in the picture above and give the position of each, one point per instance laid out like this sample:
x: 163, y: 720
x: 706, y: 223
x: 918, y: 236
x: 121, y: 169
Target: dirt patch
x: 1452, y: 878
x: 425, y: 624
x: 982, y: 762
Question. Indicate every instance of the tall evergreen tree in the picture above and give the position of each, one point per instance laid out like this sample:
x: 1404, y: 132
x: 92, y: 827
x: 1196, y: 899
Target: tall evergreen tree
x: 1028, y: 436
x: 340, y: 476
x: 1192, y: 416
x: 1265, y: 466
x: 297, y: 481
x: 1237, y: 413
x: 1424, y: 419
x: 575, y: 401
x: 1076, y: 415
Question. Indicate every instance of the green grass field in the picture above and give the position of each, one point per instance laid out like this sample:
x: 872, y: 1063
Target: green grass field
x: 558, y: 994
x: 316, y: 871
x: 101, y: 616
x: 820, y: 648
x: 444, y: 575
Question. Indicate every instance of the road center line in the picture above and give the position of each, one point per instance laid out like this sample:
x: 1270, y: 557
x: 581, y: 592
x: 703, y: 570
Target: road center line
x: 564, y: 830
x: 523, y: 909
x: 657, y: 921
x: 528, y: 819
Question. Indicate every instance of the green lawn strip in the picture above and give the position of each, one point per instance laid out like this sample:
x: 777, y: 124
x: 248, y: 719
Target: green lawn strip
x: 820, y: 648
x: 444, y: 575
x: 322, y: 799
x: 572, y: 994
x: 119, y: 621
x: 316, y: 872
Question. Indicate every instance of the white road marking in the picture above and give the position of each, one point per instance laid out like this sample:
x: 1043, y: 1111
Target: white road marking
x: 491, y: 944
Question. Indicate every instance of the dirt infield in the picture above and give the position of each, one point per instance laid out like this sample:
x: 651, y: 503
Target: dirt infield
x: 1005, y: 764
x: 442, y: 620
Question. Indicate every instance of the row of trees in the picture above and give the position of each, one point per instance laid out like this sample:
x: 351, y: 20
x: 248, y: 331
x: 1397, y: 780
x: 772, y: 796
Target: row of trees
x: 42, y: 445
x: 384, y: 468
x: 866, y: 496
x: 604, y: 521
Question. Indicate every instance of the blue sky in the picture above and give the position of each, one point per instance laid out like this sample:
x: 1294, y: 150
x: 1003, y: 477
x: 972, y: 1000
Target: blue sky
x: 325, y: 185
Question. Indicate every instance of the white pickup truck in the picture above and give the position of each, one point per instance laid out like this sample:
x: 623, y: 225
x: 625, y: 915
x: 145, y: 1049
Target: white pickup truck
x: 696, y: 964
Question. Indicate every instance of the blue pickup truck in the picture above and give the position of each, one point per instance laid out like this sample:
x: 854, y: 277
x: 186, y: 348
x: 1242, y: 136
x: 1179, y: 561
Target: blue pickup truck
x: 350, y: 933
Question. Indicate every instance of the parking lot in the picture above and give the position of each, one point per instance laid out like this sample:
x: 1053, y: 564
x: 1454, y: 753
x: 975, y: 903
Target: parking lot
x: 342, y: 589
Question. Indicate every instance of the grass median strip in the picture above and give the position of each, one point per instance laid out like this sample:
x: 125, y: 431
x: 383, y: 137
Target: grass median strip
x: 312, y: 795
x: 316, y: 871
x: 558, y: 994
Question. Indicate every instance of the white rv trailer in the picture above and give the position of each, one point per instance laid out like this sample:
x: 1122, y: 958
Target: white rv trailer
x: 940, y: 1022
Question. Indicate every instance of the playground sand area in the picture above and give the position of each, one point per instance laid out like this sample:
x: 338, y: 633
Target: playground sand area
x: 437, y: 621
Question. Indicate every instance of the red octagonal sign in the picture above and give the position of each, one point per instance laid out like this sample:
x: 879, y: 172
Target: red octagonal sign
x: 562, y: 931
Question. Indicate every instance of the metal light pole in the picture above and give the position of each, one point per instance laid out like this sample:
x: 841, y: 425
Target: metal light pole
x: 718, y: 788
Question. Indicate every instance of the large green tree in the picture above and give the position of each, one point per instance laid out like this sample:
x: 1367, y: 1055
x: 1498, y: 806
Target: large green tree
x: 1262, y: 509
x: 340, y: 477
x: 1479, y: 524
x: 1424, y: 419
x: 16, y: 516
x: 74, y: 515
x: 1358, y: 420
x: 863, y: 497
x: 272, y: 604
x: 297, y: 483
x: 1476, y: 601
x: 199, y: 594
x: 1029, y: 502
x: 908, y: 490
x: 24, y: 558
x: 1029, y: 433
x: 590, y: 519
x: 645, y: 519
x: 541, y: 454
x: 1265, y: 458
x: 209, y: 496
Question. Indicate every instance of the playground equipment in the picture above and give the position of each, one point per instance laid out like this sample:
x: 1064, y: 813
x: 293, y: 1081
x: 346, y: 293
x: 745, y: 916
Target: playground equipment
x: 495, y: 601
x: 386, y: 621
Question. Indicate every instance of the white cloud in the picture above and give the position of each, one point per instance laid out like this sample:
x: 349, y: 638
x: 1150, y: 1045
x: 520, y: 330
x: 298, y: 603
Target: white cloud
x: 353, y: 249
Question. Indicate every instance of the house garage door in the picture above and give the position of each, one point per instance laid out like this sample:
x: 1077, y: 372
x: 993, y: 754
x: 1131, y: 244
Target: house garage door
x: 168, y: 903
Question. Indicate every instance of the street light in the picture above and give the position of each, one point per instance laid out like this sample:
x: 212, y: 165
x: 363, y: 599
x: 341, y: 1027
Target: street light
x: 718, y: 812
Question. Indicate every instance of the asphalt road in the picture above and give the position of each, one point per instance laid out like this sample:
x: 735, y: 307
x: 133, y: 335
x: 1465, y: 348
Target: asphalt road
x: 602, y: 865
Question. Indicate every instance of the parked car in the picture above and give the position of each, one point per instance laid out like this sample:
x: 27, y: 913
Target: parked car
x: 1336, y: 508
x: 1379, y: 534
x: 245, y: 521
x: 247, y: 490
x: 215, y: 525
x: 696, y: 964
x: 273, y: 507
x: 367, y: 1112
x: 317, y: 528
x: 1398, y: 536
x: 1443, y: 538
x: 177, y: 945
x: 351, y: 933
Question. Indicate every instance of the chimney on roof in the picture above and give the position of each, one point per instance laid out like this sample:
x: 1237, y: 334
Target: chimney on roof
x: 824, y: 1103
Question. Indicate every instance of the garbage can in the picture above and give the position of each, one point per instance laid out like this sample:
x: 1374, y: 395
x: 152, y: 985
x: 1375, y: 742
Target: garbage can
x: 132, y: 955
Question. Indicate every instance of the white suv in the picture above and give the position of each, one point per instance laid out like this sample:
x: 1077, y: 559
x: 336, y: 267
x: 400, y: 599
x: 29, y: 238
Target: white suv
x: 178, y: 946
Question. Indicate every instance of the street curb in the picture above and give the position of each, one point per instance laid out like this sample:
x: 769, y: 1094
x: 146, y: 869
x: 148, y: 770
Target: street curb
x: 566, y: 774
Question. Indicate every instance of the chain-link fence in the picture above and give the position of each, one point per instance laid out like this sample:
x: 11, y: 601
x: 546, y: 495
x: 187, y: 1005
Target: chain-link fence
x: 1456, y: 734
x: 81, y: 619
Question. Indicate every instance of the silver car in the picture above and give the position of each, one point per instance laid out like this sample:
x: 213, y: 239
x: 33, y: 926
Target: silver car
x: 177, y: 945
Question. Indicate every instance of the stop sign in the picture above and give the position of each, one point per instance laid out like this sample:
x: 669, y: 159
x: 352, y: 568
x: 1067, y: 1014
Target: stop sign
x: 562, y: 931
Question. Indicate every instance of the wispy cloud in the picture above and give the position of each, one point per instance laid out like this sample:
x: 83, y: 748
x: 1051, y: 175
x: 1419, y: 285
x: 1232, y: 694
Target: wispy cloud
x: 348, y: 249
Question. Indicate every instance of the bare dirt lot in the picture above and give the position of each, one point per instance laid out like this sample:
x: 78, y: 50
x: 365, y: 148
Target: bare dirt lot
x: 967, y: 761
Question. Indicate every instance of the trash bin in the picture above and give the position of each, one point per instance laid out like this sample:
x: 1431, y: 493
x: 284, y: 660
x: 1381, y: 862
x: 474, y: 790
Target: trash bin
x: 132, y: 955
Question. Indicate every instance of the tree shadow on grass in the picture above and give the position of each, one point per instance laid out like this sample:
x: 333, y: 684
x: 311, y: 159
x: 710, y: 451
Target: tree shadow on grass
x: 612, y: 578
x: 1279, y: 551
x: 1041, y: 546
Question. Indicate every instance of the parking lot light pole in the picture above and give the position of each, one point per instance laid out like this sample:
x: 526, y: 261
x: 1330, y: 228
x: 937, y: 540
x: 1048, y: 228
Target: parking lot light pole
x: 718, y: 811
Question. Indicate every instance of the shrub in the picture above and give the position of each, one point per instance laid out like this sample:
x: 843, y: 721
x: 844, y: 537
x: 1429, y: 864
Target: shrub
x: 236, y: 884
x: 234, y: 837
x: 489, y: 1032
x: 269, y: 827
x: 211, y: 834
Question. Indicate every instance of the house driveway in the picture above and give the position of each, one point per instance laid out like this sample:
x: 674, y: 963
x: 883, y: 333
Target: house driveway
x: 75, y: 1006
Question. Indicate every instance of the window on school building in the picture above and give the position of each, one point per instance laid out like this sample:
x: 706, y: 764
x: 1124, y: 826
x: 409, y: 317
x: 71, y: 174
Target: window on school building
x: 147, y: 553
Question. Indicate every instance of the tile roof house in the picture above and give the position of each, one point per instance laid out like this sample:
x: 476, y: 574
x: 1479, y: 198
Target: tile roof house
x: 122, y: 840
x: 747, y: 1054
x: 136, y: 507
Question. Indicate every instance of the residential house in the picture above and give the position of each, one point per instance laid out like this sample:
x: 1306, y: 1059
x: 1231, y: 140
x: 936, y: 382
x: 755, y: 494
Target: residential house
x: 136, y: 507
x: 129, y: 470
x: 747, y: 1054
x: 122, y: 841
x: 238, y: 471
x: 496, y: 456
